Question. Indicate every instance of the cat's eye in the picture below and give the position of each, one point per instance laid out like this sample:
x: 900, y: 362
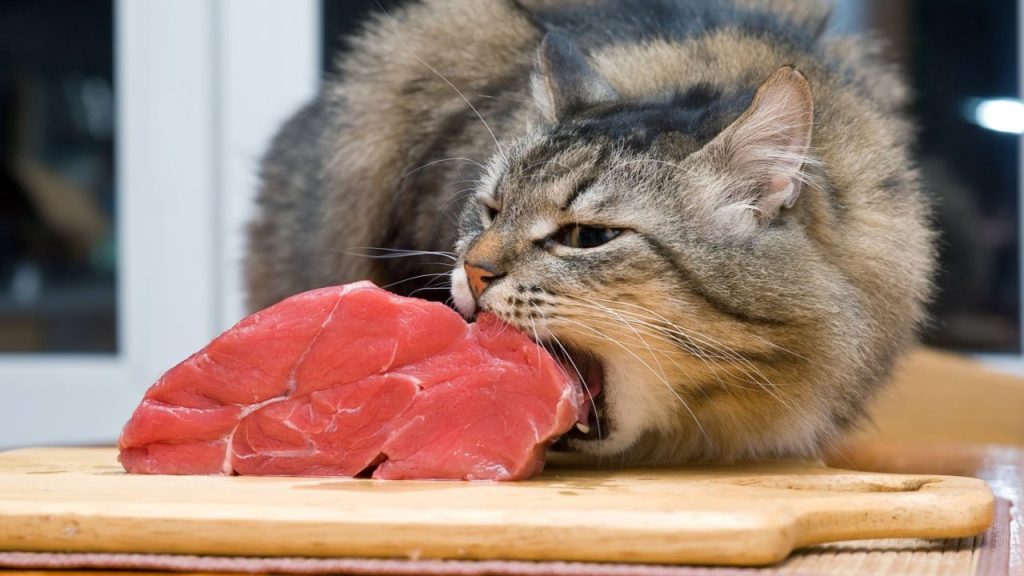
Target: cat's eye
x: 577, y: 236
x: 490, y: 210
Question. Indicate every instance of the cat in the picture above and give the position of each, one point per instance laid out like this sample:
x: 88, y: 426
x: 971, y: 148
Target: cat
x: 707, y: 208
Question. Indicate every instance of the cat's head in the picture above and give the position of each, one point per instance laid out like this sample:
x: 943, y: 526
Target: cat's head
x: 650, y: 243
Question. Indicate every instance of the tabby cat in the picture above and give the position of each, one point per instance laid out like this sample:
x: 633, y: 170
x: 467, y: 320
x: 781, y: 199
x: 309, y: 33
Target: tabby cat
x: 706, y: 207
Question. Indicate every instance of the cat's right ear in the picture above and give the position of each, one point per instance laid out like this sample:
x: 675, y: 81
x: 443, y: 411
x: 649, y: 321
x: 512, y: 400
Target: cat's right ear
x: 563, y: 80
x: 762, y: 156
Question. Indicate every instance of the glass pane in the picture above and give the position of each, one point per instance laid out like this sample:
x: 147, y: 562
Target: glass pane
x: 960, y: 57
x: 58, y: 257
x: 972, y: 166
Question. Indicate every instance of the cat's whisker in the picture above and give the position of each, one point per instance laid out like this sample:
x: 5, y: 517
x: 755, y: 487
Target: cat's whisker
x: 504, y: 323
x: 464, y: 192
x: 669, y: 356
x: 433, y: 275
x: 428, y: 289
x: 405, y: 251
x: 452, y: 216
x: 536, y: 337
x: 681, y: 400
x: 648, y: 366
x: 752, y: 372
x: 687, y: 334
x: 653, y: 333
x: 657, y: 335
x: 445, y: 211
x: 461, y: 193
x: 436, y: 162
x: 565, y: 352
x: 665, y: 353
x: 624, y: 322
x: 398, y: 253
x: 593, y: 402
x: 440, y: 282
x: 667, y: 328
x: 749, y: 370
x: 725, y: 354
x: 401, y: 38
x: 641, y: 338
x: 785, y: 350
x: 665, y: 335
x: 446, y: 267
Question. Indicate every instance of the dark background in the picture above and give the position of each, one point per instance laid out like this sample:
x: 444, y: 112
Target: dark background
x: 57, y: 212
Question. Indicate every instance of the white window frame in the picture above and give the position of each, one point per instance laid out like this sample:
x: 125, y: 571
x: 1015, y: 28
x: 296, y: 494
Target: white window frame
x: 264, y: 82
x: 201, y: 86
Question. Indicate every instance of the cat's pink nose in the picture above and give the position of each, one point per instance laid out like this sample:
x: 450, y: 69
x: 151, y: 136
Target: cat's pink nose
x: 480, y: 276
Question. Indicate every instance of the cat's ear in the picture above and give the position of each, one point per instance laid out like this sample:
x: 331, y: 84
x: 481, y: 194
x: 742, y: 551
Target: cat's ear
x: 765, y: 151
x: 563, y: 80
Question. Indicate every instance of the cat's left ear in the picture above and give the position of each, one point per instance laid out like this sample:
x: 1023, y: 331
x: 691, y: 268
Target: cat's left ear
x: 765, y: 150
x: 563, y: 80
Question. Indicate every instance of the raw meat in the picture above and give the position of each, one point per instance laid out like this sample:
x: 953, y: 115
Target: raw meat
x: 348, y: 379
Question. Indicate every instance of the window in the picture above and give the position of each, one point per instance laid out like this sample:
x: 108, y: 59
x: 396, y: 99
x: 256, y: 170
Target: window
x: 961, y: 57
x: 58, y: 241
x: 156, y: 114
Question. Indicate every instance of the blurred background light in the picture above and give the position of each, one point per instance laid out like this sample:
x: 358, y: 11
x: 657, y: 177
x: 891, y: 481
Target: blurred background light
x: 998, y: 114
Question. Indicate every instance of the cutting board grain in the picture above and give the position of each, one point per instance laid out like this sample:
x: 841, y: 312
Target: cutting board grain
x: 64, y: 499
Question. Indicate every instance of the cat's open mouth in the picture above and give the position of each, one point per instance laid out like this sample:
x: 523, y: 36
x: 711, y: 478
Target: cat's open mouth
x: 593, y: 421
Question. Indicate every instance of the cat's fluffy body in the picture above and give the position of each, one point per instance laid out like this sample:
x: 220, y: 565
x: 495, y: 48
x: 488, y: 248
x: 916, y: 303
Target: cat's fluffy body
x: 727, y: 329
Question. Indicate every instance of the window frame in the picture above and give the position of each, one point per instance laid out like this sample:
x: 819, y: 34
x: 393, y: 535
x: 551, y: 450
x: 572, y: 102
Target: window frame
x: 192, y: 119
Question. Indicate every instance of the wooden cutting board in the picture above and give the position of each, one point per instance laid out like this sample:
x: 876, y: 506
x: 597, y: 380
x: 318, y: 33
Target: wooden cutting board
x: 64, y: 499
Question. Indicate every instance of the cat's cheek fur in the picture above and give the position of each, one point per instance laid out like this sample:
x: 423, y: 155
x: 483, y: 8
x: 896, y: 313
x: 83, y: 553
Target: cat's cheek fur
x: 632, y: 408
x: 461, y: 294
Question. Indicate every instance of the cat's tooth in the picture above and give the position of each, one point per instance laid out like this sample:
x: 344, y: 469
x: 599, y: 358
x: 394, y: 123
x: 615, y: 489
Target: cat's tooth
x: 583, y: 427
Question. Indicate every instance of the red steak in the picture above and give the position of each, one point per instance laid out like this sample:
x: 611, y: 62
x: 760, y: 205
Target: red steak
x: 340, y: 380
